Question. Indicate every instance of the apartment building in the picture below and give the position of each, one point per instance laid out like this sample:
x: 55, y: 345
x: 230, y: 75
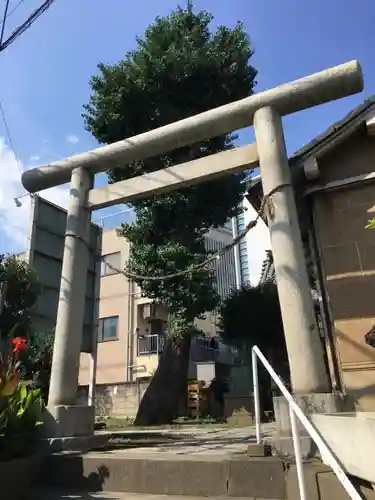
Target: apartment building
x: 130, y: 337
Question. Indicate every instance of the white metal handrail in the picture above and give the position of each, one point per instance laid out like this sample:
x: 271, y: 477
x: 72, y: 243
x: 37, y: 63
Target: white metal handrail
x: 295, y: 411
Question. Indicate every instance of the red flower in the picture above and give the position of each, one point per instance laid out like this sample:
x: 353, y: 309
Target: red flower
x: 19, y: 344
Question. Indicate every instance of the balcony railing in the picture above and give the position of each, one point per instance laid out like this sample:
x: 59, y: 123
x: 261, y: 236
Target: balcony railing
x: 210, y: 350
x: 150, y: 343
x: 204, y: 350
x: 201, y: 349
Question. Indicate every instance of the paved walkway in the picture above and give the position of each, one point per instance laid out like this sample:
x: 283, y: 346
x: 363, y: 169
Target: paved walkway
x: 212, y: 447
x: 192, y: 441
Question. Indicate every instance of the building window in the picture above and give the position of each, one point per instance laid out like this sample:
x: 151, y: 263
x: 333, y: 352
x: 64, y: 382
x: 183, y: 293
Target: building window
x: 107, y: 328
x: 114, y: 259
x: 157, y: 326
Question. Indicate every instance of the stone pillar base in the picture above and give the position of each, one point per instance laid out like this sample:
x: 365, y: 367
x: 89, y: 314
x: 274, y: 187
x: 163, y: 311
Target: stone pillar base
x: 63, y: 421
x: 282, y: 442
x: 259, y: 450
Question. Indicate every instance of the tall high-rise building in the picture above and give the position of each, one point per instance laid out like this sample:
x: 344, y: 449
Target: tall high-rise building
x: 250, y: 253
x: 215, y: 241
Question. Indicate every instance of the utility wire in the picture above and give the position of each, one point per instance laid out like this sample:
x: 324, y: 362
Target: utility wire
x: 9, y: 137
x: 4, y: 19
x: 25, y: 25
x: 16, y: 33
x: 14, y: 8
x: 7, y: 16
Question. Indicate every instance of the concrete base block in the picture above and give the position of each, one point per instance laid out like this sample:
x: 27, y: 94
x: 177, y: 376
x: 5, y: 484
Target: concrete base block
x: 322, y: 484
x: 309, y: 403
x: 311, y: 474
x: 259, y: 450
x: 81, y: 444
x: 283, y: 447
x: 351, y: 436
x: 67, y: 421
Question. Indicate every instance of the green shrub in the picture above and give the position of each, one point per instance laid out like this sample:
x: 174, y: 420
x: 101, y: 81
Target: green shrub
x: 20, y: 415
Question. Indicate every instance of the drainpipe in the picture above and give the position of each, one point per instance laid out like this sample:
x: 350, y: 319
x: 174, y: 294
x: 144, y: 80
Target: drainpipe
x: 131, y: 336
x: 94, y: 352
x: 237, y: 261
x: 130, y: 332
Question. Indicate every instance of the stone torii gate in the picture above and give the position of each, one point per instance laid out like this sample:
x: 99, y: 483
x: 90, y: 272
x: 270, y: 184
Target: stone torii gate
x: 264, y: 111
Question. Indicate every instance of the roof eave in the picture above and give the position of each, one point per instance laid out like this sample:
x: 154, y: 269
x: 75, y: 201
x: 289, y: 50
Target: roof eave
x: 322, y: 144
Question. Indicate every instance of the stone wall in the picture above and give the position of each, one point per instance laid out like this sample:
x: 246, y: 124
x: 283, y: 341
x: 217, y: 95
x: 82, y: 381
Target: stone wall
x: 239, y: 406
x: 116, y: 400
x: 122, y: 401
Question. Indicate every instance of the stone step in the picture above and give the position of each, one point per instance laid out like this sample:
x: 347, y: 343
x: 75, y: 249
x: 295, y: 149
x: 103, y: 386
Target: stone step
x: 167, y: 474
x: 110, y: 495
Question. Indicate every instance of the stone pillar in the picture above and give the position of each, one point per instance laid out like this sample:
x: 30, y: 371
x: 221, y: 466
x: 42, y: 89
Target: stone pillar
x: 308, y: 373
x: 65, y: 417
x: 310, y: 382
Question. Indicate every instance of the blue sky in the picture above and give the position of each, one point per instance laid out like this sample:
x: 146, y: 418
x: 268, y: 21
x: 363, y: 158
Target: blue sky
x: 45, y: 73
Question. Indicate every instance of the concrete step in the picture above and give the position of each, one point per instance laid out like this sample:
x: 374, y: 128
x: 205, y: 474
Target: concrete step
x: 110, y: 495
x: 167, y: 474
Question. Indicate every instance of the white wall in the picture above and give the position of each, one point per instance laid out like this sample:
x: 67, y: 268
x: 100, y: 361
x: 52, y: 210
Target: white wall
x: 257, y: 241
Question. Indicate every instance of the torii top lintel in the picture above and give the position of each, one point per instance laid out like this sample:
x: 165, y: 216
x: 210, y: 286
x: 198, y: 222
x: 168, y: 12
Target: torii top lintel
x: 328, y: 85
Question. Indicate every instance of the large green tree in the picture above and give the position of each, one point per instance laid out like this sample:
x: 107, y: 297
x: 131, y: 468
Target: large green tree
x: 180, y: 67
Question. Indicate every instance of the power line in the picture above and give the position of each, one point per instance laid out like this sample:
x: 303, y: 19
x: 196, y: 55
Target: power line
x: 14, y: 8
x: 4, y: 19
x: 25, y: 25
x: 16, y: 33
x: 9, y: 137
x: 7, y: 16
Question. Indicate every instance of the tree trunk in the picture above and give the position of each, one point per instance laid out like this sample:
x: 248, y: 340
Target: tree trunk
x: 160, y: 403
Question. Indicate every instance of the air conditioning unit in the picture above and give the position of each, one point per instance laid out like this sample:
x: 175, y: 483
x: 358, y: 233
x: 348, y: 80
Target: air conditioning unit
x: 151, y: 311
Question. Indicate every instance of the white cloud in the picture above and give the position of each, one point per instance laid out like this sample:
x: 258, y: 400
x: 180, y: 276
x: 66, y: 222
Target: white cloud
x: 72, y: 139
x: 14, y: 220
x: 34, y: 158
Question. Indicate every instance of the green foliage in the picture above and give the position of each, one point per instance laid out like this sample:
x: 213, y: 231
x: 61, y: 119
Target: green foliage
x: 9, y: 366
x: 20, y: 415
x: 36, y: 361
x: 22, y: 411
x: 179, y: 68
x: 252, y: 316
x: 185, y: 297
x: 371, y: 224
x: 20, y: 289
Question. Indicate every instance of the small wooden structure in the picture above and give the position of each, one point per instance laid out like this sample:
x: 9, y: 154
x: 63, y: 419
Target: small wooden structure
x: 197, y: 401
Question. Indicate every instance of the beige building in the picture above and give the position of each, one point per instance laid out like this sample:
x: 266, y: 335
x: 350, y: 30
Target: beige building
x: 130, y: 336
